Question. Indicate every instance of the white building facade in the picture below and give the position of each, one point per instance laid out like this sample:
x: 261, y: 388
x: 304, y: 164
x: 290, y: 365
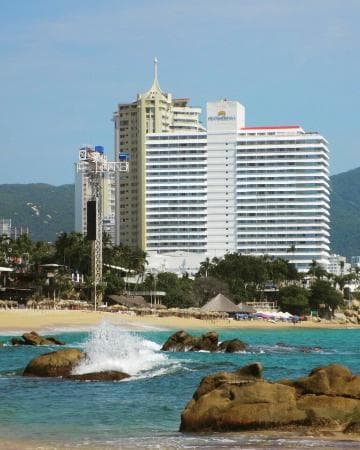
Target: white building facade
x: 176, y: 190
x: 252, y: 190
x: 338, y: 265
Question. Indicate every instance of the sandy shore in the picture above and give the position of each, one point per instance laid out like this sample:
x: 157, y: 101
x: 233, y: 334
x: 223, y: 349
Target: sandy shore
x: 38, y: 320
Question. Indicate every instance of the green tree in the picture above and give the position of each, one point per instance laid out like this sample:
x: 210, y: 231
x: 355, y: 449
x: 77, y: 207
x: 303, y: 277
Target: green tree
x: 245, y: 275
x: 205, y: 288
x: 294, y: 299
x: 113, y: 283
x: 280, y: 271
x: 179, y: 293
x: 324, y: 298
x: 317, y: 270
x: 131, y: 259
x: 74, y: 250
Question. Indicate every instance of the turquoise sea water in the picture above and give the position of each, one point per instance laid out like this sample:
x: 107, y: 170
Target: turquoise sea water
x: 144, y: 412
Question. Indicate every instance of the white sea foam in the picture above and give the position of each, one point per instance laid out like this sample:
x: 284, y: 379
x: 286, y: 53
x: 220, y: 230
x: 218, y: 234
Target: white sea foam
x: 110, y: 348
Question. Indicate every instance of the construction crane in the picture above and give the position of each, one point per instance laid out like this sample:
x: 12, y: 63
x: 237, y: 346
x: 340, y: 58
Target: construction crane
x: 93, y: 164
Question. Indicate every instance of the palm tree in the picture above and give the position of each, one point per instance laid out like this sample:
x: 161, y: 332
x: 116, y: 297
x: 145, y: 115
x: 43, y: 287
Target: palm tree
x: 316, y: 270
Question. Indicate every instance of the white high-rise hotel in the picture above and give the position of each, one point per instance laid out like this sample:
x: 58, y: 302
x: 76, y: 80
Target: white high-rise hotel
x: 230, y: 188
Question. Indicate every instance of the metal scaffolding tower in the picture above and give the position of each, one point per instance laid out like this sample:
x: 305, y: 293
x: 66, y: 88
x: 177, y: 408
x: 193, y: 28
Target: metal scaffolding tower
x: 94, y: 165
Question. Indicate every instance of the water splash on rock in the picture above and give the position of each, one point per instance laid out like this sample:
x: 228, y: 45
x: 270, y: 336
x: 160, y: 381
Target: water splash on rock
x: 108, y: 347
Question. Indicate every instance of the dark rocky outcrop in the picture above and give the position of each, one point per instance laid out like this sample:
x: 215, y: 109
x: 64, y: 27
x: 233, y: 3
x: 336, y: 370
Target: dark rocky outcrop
x: 34, y: 338
x: 306, y: 349
x: 232, y: 346
x: 109, y: 375
x: 207, y: 342
x: 61, y: 364
x: 181, y: 341
x: 243, y: 400
x: 17, y: 341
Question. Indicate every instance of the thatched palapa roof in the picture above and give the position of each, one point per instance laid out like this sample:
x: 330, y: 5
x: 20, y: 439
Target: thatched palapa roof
x: 246, y: 309
x: 220, y: 303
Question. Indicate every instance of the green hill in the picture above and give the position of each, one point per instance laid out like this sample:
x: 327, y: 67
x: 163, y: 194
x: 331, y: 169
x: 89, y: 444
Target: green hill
x: 345, y: 213
x: 47, y: 210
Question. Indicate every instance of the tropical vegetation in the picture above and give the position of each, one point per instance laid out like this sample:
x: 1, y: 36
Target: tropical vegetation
x: 242, y: 278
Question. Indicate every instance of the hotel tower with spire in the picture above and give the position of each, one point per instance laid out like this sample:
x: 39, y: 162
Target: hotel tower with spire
x: 154, y: 111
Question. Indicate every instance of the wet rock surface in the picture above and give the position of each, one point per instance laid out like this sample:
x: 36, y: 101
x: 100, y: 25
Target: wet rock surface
x: 54, y: 364
x: 181, y: 341
x: 242, y: 400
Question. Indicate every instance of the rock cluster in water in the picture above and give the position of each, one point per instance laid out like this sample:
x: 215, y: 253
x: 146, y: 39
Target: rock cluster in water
x: 34, y: 338
x: 62, y: 363
x: 181, y: 341
x: 328, y: 397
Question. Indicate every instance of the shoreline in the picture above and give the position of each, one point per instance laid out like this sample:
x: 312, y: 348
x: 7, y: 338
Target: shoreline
x: 257, y: 439
x: 15, y: 321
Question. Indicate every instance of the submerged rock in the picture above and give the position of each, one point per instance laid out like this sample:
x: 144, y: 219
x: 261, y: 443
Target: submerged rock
x: 109, y: 375
x: 34, y: 338
x: 181, y: 341
x: 243, y: 400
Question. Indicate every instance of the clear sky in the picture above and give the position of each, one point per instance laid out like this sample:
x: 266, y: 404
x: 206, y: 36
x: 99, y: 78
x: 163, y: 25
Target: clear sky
x: 65, y: 64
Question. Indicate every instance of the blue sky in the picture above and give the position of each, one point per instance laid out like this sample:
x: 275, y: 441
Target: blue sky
x: 66, y: 64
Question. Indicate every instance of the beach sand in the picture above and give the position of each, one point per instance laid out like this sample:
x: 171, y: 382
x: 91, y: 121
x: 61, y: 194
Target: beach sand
x: 17, y: 320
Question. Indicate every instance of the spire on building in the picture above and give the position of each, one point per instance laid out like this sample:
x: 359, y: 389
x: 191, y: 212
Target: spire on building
x: 155, y: 68
x: 155, y: 84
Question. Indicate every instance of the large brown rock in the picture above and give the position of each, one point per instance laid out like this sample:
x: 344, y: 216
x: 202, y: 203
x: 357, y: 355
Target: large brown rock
x: 330, y: 380
x: 54, y: 364
x: 180, y: 341
x: 242, y: 400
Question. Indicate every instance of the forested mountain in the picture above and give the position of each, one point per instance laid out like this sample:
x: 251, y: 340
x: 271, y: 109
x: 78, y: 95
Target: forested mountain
x: 47, y: 210
x: 345, y: 213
